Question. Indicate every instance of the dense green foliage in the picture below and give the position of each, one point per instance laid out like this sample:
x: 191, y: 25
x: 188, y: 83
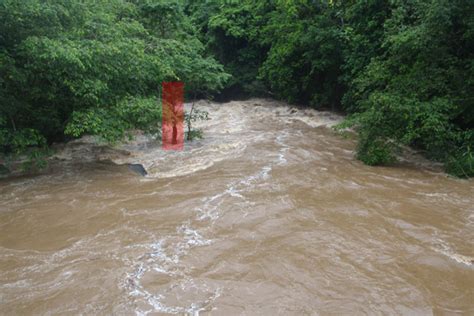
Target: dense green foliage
x: 402, y: 69
x: 75, y: 67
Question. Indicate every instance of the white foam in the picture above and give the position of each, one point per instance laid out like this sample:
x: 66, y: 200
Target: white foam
x: 164, y: 256
x: 444, y: 249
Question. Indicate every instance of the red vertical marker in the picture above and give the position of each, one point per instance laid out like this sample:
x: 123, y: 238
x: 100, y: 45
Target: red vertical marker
x: 172, y: 127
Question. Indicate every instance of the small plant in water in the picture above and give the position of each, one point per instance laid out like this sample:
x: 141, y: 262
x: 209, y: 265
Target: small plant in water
x: 194, y: 115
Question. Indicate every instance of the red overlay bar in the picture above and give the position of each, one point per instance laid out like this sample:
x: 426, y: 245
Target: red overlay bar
x: 172, y: 128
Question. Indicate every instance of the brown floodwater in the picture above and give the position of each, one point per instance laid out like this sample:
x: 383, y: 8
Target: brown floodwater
x: 269, y: 214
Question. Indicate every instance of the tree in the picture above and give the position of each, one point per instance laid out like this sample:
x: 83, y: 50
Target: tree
x: 71, y: 68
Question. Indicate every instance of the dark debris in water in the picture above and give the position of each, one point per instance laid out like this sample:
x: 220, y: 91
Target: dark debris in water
x: 138, y: 168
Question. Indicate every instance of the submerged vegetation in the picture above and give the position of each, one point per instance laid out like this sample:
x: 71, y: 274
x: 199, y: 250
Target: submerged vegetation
x: 402, y: 70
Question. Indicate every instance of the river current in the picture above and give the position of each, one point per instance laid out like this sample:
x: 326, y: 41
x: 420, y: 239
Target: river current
x: 268, y: 214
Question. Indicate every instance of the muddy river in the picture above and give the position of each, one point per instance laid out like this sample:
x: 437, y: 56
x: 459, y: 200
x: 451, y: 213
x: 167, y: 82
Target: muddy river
x: 269, y: 214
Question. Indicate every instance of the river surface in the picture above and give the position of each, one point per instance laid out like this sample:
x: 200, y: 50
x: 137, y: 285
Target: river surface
x: 269, y: 214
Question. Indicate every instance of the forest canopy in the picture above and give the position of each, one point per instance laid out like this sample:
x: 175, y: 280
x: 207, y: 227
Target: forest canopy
x: 403, y: 70
x: 75, y: 67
